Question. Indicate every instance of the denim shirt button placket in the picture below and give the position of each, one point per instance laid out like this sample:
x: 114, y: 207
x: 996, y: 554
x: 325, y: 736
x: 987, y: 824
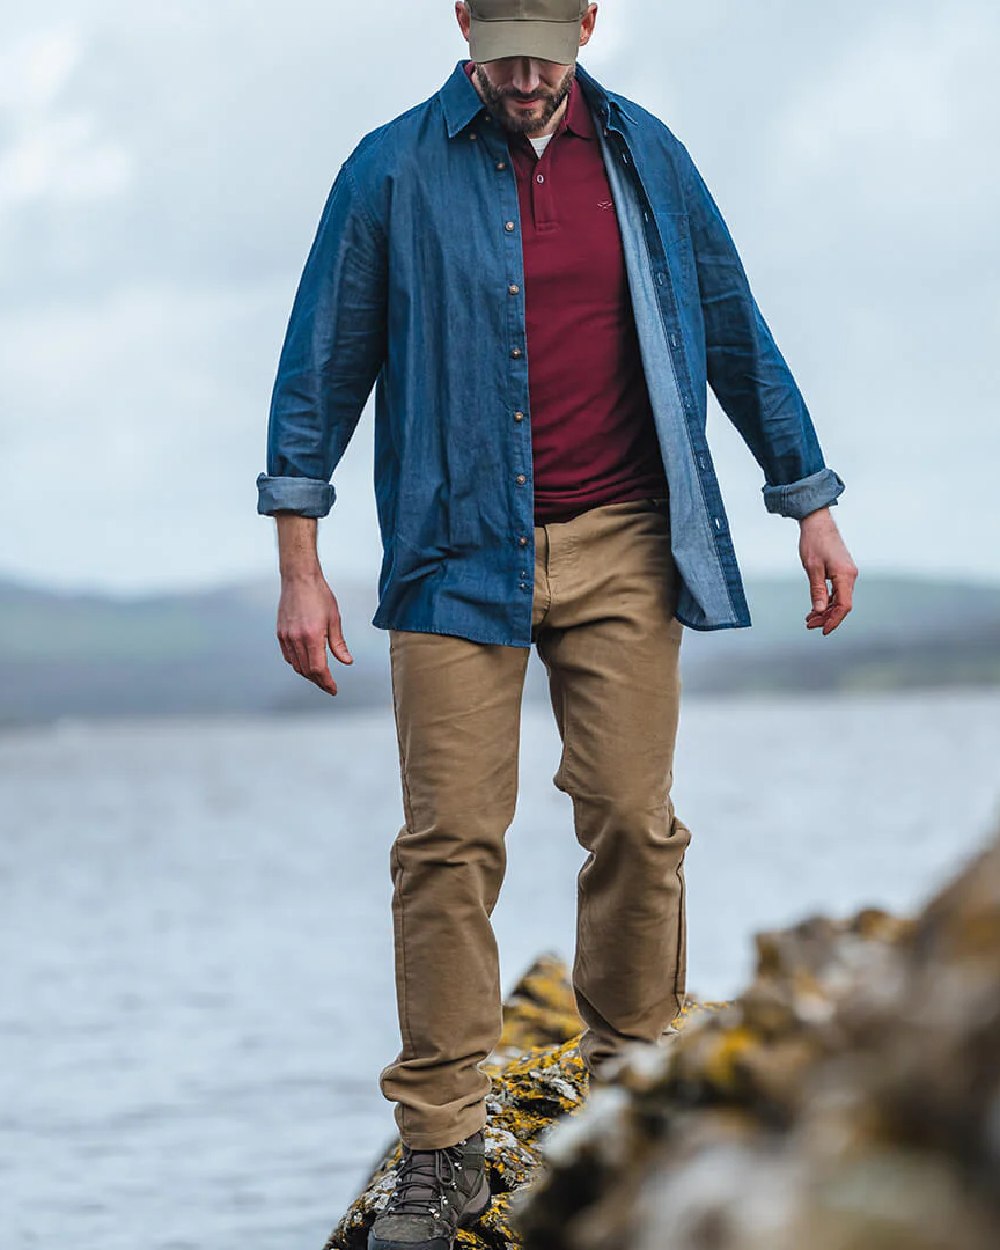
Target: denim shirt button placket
x: 513, y: 289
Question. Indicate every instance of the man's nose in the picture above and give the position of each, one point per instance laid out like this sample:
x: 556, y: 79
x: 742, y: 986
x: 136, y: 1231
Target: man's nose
x: 526, y: 78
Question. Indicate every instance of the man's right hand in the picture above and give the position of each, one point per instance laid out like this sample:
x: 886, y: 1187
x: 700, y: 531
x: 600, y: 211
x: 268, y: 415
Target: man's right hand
x: 309, y: 619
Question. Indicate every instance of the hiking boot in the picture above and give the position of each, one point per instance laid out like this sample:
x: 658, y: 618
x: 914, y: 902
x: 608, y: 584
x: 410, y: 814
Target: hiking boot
x: 437, y: 1192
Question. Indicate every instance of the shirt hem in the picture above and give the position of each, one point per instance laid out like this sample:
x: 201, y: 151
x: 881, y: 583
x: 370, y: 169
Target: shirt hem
x: 448, y: 633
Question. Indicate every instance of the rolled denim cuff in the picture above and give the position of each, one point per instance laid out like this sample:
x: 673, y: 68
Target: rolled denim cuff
x: 798, y: 499
x: 305, y: 496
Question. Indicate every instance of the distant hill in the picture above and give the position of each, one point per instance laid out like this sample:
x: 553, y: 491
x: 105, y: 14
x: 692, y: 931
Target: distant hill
x: 87, y: 655
x: 83, y: 655
x: 905, y: 633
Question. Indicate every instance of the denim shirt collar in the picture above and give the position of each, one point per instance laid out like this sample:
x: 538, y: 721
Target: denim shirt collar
x: 461, y: 102
x: 607, y: 107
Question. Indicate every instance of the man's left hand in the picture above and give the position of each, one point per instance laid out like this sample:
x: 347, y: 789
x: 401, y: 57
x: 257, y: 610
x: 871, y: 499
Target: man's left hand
x: 827, y: 563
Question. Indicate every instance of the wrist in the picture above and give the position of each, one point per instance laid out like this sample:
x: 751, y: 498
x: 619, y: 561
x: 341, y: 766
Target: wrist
x: 822, y: 516
x: 301, y: 574
x: 298, y: 557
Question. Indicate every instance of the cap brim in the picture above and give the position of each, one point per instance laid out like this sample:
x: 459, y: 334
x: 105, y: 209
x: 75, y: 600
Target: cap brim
x: 548, y: 41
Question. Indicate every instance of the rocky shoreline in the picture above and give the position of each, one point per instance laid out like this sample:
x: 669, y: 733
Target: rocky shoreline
x: 849, y: 1099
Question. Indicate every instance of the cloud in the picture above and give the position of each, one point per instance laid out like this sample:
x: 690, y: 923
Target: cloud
x: 35, y: 67
x: 62, y: 159
x: 904, y: 114
x: 52, y: 152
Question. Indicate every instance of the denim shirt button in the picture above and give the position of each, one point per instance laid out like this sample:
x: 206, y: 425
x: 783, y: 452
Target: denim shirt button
x: 517, y: 353
x: 509, y: 227
x: 501, y: 166
x: 523, y: 540
x: 513, y: 289
x: 520, y: 479
x: 518, y: 416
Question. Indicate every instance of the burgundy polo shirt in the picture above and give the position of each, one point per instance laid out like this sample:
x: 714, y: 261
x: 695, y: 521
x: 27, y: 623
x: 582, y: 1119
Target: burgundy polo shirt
x: 592, y: 435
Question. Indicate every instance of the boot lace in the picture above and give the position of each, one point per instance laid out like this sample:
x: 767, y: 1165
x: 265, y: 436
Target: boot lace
x: 422, y: 1180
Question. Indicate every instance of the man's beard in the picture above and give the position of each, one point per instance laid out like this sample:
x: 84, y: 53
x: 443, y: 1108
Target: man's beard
x: 522, y: 123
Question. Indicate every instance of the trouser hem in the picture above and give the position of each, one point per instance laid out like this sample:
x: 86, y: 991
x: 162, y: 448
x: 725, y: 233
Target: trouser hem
x: 417, y: 1139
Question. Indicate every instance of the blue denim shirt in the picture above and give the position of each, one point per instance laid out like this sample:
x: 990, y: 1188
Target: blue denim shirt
x: 415, y: 284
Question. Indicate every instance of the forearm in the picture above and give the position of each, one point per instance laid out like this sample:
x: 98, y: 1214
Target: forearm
x: 298, y: 558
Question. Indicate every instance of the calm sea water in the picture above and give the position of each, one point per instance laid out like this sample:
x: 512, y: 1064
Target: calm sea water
x: 196, y: 963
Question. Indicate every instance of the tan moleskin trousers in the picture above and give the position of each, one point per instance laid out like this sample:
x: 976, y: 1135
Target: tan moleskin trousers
x: 603, y: 622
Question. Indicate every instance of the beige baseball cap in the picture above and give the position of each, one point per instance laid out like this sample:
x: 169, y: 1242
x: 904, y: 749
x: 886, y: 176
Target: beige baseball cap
x: 547, y: 29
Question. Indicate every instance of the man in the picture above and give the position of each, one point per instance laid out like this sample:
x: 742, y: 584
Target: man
x: 532, y: 273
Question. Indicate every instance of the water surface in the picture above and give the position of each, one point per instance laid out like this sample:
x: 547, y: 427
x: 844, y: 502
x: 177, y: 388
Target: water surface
x: 197, y: 970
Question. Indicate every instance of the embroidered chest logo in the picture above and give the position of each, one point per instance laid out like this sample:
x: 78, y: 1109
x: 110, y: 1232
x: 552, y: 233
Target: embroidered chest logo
x: 605, y: 204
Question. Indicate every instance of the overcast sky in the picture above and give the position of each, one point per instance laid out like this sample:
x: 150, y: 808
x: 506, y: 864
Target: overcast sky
x: 162, y: 170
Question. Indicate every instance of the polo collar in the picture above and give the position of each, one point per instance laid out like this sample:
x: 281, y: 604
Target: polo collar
x: 578, y: 120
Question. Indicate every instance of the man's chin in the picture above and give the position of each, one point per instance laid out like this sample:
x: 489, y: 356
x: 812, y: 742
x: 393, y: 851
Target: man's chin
x: 523, y: 120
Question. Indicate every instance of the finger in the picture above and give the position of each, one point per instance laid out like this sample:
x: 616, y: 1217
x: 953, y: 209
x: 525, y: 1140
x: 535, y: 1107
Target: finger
x: 337, y: 644
x: 843, y: 590
x: 841, y: 601
x: 295, y: 653
x: 296, y: 649
x: 835, y: 617
x: 317, y: 666
x: 818, y: 591
x: 817, y: 616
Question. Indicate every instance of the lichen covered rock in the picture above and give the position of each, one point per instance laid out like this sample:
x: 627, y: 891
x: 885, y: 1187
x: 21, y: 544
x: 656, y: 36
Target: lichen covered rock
x: 848, y: 1100
x: 538, y: 1080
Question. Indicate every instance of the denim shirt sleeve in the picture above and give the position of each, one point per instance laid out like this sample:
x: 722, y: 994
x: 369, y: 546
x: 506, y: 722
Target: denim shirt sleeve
x: 747, y: 372
x: 333, y: 350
